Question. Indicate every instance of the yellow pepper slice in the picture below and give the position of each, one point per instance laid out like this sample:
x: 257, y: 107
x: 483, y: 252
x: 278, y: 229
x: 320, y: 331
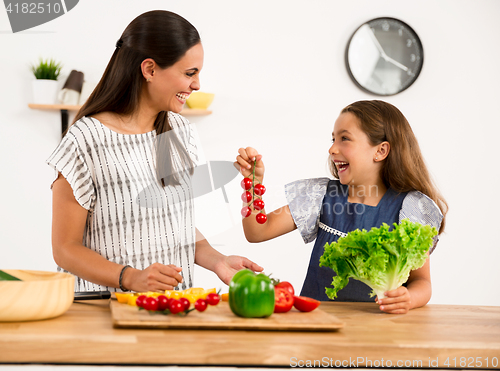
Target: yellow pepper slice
x: 122, y: 297
x: 194, y: 290
x: 132, y: 300
x: 191, y: 297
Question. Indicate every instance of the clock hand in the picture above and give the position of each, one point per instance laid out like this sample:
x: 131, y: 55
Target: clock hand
x: 382, y: 53
x: 396, y: 63
x: 377, y: 44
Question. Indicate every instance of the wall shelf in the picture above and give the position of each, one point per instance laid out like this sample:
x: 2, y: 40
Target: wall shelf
x: 65, y: 108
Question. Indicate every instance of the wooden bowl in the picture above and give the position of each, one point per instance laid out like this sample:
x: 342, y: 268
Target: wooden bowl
x: 200, y: 100
x: 39, y: 295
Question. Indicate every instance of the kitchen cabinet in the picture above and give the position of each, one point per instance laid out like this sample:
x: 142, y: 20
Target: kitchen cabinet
x: 435, y: 336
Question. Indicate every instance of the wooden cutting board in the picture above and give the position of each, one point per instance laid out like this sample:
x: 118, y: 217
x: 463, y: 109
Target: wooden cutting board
x: 220, y: 317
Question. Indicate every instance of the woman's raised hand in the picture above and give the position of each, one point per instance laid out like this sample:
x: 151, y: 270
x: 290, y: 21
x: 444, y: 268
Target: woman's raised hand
x: 245, y: 161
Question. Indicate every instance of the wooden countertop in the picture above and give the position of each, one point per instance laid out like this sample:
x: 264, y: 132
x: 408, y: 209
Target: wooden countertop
x: 441, y: 336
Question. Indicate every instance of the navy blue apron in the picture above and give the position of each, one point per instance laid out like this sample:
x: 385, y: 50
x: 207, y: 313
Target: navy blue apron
x: 343, y: 217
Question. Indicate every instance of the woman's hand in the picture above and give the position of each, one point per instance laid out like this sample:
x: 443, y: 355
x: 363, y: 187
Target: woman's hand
x: 156, y: 277
x: 231, y: 264
x: 245, y: 160
x: 397, y: 301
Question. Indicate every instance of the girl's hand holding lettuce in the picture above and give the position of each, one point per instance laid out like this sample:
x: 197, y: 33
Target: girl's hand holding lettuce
x: 380, y: 258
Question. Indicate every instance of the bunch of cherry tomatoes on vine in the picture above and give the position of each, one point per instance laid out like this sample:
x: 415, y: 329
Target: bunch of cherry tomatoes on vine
x: 253, y: 199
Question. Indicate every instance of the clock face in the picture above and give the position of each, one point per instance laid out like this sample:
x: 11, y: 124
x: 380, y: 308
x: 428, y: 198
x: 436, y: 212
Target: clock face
x: 384, y: 56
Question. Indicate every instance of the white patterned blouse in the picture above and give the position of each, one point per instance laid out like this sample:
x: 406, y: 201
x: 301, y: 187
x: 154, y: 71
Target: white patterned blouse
x: 131, y: 218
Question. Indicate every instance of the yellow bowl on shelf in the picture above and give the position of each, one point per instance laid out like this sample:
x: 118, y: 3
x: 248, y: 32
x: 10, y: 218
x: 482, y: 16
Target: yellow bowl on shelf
x: 200, y: 100
x: 39, y: 295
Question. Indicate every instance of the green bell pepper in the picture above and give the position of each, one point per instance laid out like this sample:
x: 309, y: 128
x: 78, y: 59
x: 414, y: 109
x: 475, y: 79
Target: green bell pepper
x: 251, y: 295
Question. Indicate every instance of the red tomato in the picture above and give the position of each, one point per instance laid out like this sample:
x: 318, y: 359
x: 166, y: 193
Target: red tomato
x: 246, y: 183
x: 200, y: 305
x: 246, y: 211
x: 259, y: 189
x: 305, y: 304
x: 213, y: 299
x: 258, y: 204
x: 151, y: 303
x: 140, y: 300
x: 283, y: 300
x: 261, y: 218
x: 246, y: 196
x: 286, y: 285
x: 162, y: 302
x: 185, y: 303
x: 175, y: 306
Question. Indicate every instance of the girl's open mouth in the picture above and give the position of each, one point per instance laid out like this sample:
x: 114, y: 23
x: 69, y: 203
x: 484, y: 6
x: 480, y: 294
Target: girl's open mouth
x: 341, y: 166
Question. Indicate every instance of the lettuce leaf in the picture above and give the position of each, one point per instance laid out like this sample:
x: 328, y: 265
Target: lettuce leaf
x: 381, y: 258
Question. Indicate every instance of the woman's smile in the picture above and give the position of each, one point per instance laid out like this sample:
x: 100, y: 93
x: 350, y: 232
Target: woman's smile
x: 182, y: 97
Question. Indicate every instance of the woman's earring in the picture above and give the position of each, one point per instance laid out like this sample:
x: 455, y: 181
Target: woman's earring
x: 376, y: 158
x: 148, y: 79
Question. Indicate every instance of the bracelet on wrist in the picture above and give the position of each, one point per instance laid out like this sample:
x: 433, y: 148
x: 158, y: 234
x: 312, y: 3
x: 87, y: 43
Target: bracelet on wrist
x: 120, y: 283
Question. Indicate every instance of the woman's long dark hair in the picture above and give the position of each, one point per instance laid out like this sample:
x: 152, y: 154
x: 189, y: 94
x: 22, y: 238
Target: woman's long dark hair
x: 404, y: 168
x: 164, y: 37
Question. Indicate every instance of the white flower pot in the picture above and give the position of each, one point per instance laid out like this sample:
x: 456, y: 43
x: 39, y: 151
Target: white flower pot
x: 44, y: 91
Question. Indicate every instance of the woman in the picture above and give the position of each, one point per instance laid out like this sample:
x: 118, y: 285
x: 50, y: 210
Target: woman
x: 128, y: 143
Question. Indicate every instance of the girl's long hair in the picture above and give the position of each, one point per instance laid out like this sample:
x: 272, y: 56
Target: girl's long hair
x: 165, y: 37
x: 404, y: 169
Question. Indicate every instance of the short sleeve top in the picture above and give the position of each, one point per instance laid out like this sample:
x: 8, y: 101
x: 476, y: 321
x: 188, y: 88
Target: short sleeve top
x: 131, y: 218
x: 305, y: 198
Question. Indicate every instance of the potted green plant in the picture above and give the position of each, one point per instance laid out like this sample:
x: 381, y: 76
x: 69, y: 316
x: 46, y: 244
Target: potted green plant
x: 45, y: 84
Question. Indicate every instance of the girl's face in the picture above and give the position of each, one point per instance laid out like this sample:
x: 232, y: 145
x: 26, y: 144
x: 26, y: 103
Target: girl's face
x: 170, y: 87
x: 352, y: 152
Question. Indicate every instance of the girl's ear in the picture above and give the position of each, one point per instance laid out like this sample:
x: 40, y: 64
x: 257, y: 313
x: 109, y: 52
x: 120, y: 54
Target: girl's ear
x: 148, y: 69
x: 383, y: 151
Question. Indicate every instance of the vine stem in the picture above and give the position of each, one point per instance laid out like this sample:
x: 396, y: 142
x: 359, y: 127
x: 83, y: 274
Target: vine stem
x: 253, y: 180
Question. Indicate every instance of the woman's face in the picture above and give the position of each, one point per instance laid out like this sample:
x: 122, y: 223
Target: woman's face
x: 170, y: 87
x: 352, y: 152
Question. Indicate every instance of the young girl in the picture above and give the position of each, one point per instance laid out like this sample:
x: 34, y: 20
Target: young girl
x: 381, y: 178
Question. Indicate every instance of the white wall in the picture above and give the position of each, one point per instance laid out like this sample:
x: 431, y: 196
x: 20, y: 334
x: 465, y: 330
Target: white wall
x: 278, y: 72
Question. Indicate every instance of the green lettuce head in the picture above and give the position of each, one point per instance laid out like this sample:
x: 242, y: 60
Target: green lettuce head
x: 381, y: 258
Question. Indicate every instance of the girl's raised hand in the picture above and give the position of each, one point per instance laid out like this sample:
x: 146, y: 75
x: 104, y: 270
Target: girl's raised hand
x: 245, y: 160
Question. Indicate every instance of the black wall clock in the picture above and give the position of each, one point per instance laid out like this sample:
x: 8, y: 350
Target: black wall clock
x: 384, y: 56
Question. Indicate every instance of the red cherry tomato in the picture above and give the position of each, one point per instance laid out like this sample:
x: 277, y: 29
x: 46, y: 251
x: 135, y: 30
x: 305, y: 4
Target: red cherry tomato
x: 151, y: 303
x: 140, y: 300
x: 305, y: 304
x: 259, y: 189
x: 175, y: 306
x: 283, y: 300
x: 185, y: 303
x: 246, y: 183
x: 213, y: 299
x: 162, y: 302
x: 200, y: 305
x: 246, y: 196
x: 246, y: 212
x: 261, y: 218
x: 286, y: 285
x: 258, y: 204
